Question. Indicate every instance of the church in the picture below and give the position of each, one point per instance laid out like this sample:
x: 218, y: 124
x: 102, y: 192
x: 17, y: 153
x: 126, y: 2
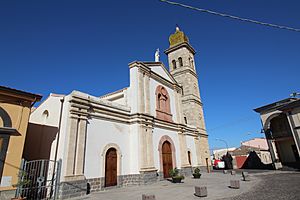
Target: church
x: 132, y: 136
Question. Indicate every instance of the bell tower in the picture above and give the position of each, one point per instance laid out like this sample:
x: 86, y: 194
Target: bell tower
x: 182, y: 68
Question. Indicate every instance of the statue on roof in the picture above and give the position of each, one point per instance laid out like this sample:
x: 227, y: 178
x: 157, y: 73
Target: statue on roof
x: 157, y: 55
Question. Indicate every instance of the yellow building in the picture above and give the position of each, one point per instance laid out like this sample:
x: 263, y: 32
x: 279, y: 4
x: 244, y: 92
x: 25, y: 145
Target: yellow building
x: 15, y: 108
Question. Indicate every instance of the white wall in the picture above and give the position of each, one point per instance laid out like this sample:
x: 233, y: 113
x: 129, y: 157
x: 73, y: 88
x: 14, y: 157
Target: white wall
x: 52, y: 105
x: 133, y: 90
x: 153, y: 85
x: 62, y: 147
x: 157, y: 134
x: 190, y: 144
x: 99, y: 134
x: 160, y: 71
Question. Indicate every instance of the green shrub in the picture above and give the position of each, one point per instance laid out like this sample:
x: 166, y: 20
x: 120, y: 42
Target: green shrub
x: 196, y: 170
x: 174, y: 173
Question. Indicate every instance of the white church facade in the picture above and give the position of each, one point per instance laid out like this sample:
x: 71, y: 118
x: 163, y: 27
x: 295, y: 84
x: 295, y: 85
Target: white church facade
x: 132, y: 136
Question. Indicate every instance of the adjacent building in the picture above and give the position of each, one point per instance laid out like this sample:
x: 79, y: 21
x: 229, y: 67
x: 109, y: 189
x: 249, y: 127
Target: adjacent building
x: 15, y: 108
x: 129, y: 137
x: 281, y: 124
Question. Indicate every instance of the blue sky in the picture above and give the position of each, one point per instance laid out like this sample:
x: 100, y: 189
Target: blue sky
x: 60, y: 46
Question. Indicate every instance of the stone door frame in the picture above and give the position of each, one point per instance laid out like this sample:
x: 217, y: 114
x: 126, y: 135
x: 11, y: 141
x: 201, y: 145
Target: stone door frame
x: 161, y: 141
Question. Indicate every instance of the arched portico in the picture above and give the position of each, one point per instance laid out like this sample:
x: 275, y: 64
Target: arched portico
x: 267, y: 122
x: 5, y: 118
x: 280, y: 139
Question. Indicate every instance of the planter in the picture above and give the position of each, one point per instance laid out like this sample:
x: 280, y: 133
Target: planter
x: 176, y: 179
x: 197, y: 175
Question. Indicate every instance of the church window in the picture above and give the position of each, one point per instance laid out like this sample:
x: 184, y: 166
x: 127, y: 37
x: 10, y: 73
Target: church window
x: 163, y: 110
x: 189, y: 157
x: 174, y: 64
x: 180, y: 62
x: 185, y: 120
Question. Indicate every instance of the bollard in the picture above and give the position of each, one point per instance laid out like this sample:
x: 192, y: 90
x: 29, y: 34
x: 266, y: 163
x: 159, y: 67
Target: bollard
x: 233, y: 172
x: 245, y: 176
x: 148, y: 197
x: 235, y: 184
x: 224, y: 171
x: 201, y: 191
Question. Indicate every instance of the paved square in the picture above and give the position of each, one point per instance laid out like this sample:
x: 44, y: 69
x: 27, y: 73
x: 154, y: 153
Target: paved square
x: 217, y: 187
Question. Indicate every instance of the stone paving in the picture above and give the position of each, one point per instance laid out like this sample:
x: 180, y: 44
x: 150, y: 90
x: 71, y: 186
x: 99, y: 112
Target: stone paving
x: 275, y: 186
x: 217, y: 186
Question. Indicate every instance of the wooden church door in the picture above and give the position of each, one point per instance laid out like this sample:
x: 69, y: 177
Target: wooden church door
x: 167, y: 158
x: 111, y: 167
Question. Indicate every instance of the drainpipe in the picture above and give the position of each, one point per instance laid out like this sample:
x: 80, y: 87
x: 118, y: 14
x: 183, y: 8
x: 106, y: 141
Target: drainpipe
x: 57, y: 143
x: 59, y: 126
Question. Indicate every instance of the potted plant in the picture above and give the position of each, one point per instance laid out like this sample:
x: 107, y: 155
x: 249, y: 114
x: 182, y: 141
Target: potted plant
x: 197, y: 173
x: 22, y: 181
x: 176, y: 178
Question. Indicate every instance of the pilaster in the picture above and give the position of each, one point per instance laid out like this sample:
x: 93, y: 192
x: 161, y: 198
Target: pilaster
x: 147, y: 92
x: 204, y: 150
x: 146, y: 148
x: 183, y: 150
x: 80, y: 150
x: 143, y: 148
x: 71, y: 146
x: 178, y: 107
x: 141, y: 98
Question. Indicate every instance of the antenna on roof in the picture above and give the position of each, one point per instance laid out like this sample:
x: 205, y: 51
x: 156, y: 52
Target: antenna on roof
x: 295, y: 94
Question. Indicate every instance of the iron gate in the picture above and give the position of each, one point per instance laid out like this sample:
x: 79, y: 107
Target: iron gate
x: 39, y: 179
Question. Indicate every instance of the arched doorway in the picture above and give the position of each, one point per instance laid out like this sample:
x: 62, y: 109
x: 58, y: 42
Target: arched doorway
x: 111, y: 167
x: 167, y: 158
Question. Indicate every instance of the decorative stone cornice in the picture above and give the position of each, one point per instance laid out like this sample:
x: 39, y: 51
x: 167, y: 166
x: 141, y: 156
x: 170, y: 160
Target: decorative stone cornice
x: 194, y: 100
x: 184, y: 70
x: 114, y: 93
x: 84, y: 107
x: 178, y: 46
x: 144, y: 67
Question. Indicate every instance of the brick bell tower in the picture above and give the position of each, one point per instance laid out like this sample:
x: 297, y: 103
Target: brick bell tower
x: 182, y: 67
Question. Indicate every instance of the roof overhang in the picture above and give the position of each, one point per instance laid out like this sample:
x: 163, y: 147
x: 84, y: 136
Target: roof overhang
x: 178, y: 46
x: 276, y: 105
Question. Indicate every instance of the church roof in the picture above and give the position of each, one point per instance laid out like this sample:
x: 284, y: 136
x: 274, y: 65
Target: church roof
x: 276, y: 105
x: 178, y: 37
x: 179, y: 40
x: 155, y: 64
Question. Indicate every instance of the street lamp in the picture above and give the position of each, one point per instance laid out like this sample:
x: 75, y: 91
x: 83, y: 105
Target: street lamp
x: 224, y: 142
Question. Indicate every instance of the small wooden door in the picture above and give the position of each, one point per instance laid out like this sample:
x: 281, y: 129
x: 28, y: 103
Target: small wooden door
x: 167, y: 158
x: 111, y: 167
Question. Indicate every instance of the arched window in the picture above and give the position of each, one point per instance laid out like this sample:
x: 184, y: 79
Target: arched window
x: 174, y: 64
x: 180, y: 62
x: 163, y: 110
x: 45, y: 116
x: 191, y: 62
x: 189, y: 157
x: 185, y: 120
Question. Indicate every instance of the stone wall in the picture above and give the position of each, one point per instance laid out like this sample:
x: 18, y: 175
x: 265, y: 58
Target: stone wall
x: 7, y: 194
x: 149, y: 177
x: 72, y: 189
x: 81, y: 188
x: 186, y: 171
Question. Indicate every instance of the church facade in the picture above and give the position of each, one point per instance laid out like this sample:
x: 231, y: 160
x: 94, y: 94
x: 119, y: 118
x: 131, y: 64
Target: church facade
x: 132, y: 136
